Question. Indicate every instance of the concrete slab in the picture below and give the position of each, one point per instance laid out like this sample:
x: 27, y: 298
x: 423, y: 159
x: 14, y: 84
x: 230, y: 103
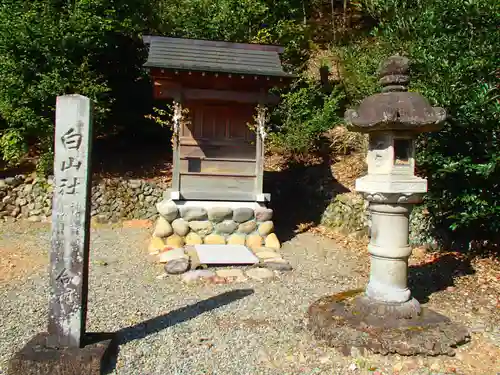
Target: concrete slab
x: 225, y: 254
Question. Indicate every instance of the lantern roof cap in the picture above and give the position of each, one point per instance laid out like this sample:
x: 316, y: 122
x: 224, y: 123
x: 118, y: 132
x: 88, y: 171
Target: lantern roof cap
x: 395, y: 108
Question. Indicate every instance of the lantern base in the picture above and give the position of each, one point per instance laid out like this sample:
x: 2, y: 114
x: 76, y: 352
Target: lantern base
x: 340, y: 321
x: 367, y: 306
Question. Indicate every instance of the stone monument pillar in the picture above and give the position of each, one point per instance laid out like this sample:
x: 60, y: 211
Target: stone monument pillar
x: 386, y: 318
x: 66, y: 348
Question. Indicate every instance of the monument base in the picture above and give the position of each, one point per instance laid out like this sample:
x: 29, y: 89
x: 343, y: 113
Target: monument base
x: 342, y: 324
x: 38, y: 358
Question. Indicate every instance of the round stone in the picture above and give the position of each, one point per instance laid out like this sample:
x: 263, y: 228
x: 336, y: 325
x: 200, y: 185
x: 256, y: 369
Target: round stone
x: 260, y: 274
x: 266, y: 228
x: 193, y: 239
x: 175, y: 241
x: 262, y: 249
x: 214, y: 239
x: 162, y: 228
x: 263, y: 214
x: 177, y: 266
x: 21, y: 202
x: 194, y: 259
x: 156, y: 244
x: 242, y: 214
x: 218, y: 214
x: 169, y: 255
x: 247, y: 227
x: 226, y: 227
x: 193, y: 213
x: 135, y: 184
x: 203, y: 228
x: 195, y: 275
x: 268, y: 255
x: 232, y: 273
x: 277, y: 265
x: 180, y: 227
x: 272, y: 241
x: 254, y: 241
x: 236, y: 239
x: 167, y: 208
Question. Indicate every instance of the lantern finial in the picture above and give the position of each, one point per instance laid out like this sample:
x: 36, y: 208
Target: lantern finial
x: 395, y: 74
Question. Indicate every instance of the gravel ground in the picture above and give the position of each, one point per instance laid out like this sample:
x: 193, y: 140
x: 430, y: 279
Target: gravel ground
x: 243, y: 328
x: 167, y: 327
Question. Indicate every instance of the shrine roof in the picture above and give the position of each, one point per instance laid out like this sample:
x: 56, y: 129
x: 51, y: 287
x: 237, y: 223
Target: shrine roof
x: 214, y: 56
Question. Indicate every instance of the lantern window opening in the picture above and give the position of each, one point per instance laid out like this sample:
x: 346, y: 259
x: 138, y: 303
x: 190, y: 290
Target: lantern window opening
x: 402, y: 151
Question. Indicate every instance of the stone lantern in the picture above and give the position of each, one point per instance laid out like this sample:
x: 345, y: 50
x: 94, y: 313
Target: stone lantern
x: 386, y: 318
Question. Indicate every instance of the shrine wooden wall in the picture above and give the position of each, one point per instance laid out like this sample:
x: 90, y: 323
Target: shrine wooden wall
x: 218, y: 152
x: 218, y: 156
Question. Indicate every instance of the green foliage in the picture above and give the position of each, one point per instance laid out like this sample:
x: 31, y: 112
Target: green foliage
x: 162, y: 116
x: 256, y: 21
x: 305, y: 113
x: 455, y: 49
x: 51, y: 48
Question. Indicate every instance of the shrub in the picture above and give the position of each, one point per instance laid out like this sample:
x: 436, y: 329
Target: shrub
x: 51, y: 48
x: 455, y: 49
x: 305, y: 113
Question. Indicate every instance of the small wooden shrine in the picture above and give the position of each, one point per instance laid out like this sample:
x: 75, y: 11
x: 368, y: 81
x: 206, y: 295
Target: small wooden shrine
x: 218, y: 89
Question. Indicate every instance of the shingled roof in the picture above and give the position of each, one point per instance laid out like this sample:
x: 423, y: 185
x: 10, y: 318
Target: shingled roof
x: 214, y: 56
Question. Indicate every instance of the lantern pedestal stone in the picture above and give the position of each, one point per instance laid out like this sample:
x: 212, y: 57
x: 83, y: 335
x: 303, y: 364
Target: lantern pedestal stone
x: 385, y: 318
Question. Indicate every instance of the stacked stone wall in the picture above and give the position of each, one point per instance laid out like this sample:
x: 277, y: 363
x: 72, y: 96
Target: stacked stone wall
x: 28, y: 197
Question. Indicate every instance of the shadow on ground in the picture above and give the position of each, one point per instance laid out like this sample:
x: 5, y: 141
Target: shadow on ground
x: 151, y: 326
x: 300, y: 194
x: 438, y: 275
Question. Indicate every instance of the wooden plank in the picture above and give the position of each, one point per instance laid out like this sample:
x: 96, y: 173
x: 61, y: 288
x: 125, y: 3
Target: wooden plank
x: 215, y: 174
x: 225, y: 159
x: 214, y: 184
x: 219, y: 195
x: 222, y: 95
x: 217, y: 151
x: 215, y: 81
x: 234, y: 167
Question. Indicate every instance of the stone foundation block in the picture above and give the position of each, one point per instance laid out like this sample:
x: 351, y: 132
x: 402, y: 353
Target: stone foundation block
x: 202, y: 228
x: 266, y: 228
x: 180, y: 227
x: 191, y: 213
x: 226, y: 227
x: 156, y: 244
x: 242, y: 214
x: 247, y: 227
x: 38, y: 358
x: 175, y: 241
x: 167, y: 209
x: 263, y: 214
x: 162, y: 228
x: 254, y: 241
x: 218, y: 214
x: 272, y: 241
x: 236, y: 239
x: 235, y: 223
x: 193, y: 239
x: 214, y: 239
